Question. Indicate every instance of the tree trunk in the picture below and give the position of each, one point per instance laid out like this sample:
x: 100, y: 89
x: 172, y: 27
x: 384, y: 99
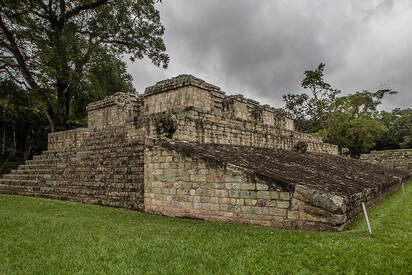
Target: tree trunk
x: 3, y: 144
x: 67, y: 99
x: 60, y: 119
x: 14, y: 137
x: 62, y: 79
x: 3, y: 148
x: 27, y: 146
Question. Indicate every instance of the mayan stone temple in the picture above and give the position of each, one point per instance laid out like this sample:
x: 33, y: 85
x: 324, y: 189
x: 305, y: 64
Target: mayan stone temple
x: 185, y: 149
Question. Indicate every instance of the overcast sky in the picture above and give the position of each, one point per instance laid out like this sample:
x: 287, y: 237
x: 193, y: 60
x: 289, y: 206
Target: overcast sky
x: 260, y: 48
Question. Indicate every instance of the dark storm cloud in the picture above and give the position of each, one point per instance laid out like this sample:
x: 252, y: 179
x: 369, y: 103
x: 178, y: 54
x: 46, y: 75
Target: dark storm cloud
x: 261, y: 48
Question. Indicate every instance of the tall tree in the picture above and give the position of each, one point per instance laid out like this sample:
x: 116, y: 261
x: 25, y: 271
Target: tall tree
x: 48, y: 47
x: 106, y: 76
x: 310, y: 111
x: 353, y: 121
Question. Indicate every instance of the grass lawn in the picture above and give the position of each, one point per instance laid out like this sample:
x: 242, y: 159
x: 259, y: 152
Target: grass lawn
x: 43, y: 236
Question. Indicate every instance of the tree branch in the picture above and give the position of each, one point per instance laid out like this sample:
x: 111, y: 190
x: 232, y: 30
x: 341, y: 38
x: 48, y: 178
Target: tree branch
x: 14, y: 49
x: 62, y: 7
x: 81, y: 8
x: 14, y: 78
x: 48, y: 10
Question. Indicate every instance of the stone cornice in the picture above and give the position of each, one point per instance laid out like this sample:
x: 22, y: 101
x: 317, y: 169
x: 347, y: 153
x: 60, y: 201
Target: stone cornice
x: 179, y: 82
x: 120, y: 99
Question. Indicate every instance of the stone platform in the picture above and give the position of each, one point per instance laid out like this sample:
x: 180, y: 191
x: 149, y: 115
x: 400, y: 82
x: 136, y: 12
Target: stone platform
x: 186, y: 149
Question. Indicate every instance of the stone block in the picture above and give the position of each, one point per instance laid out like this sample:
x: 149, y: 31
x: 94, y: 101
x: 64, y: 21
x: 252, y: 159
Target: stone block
x: 277, y: 212
x: 203, y: 171
x: 283, y: 204
x: 225, y: 200
x: 274, y: 195
x: 260, y: 187
x: 293, y: 215
x: 222, y: 193
x: 245, y: 209
x: 214, y: 200
x: 263, y: 195
x: 247, y: 186
x: 250, y: 202
x: 244, y: 194
x: 284, y: 196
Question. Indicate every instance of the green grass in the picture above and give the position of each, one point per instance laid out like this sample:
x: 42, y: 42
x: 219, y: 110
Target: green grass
x: 40, y: 236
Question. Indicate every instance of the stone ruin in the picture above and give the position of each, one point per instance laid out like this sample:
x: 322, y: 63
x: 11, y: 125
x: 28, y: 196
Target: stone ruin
x: 397, y: 159
x: 185, y: 149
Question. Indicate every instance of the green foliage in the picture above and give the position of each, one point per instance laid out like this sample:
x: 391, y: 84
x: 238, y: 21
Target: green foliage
x: 107, y: 75
x: 399, y: 134
x: 310, y: 111
x: 40, y: 236
x: 350, y: 121
x: 353, y: 122
x: 22, y: 126
x: 51, y: 48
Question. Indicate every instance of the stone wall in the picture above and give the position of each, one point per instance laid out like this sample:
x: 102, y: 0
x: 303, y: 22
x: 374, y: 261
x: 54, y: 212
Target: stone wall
x: 176, y: 99
x: 196, y: 125
x: 399, y: 159
x: 202, y: 113
x: 241, y: 108
x: 180, y: 185
x: 104, y: 169
x: 67, y: 139
x: 115, y: 110
x: 188, y: 91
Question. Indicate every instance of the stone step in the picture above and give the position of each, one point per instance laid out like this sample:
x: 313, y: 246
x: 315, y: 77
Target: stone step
x: 12, y: 182
x: 80, y: 172
x: 106, y: 179
x: 41, y: 161
x: 108, y: 158
x: 56, y: 156
x: 61, y: 191
x: 34, y: 166
x: 22, y: 177
x: 43, y: 171
x: 136, y: 204
x: 93, y: 145
x: 92, y: 185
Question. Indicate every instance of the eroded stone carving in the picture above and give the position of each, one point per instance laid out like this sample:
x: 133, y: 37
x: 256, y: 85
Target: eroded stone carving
x: 166, y: 125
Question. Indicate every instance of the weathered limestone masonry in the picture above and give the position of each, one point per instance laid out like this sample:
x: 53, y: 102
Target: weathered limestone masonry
x: 399, y: 159
x: 96, y: 165
x: 196, y: 111
x: 186, y: 149
x: 271, y: 187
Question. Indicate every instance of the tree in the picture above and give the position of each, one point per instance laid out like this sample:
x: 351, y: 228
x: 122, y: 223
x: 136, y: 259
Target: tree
x: 310, y: 111
x: 22, y: 127
x: 106, y: 76
x: 399, y: 134
x: 353, y: 121
x: 48, y: 47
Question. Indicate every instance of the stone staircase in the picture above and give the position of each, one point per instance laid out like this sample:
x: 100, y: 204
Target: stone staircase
x: 107, y: 170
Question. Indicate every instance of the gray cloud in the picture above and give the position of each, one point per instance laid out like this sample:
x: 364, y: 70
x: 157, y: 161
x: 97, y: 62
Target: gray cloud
x: 261, y: 48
